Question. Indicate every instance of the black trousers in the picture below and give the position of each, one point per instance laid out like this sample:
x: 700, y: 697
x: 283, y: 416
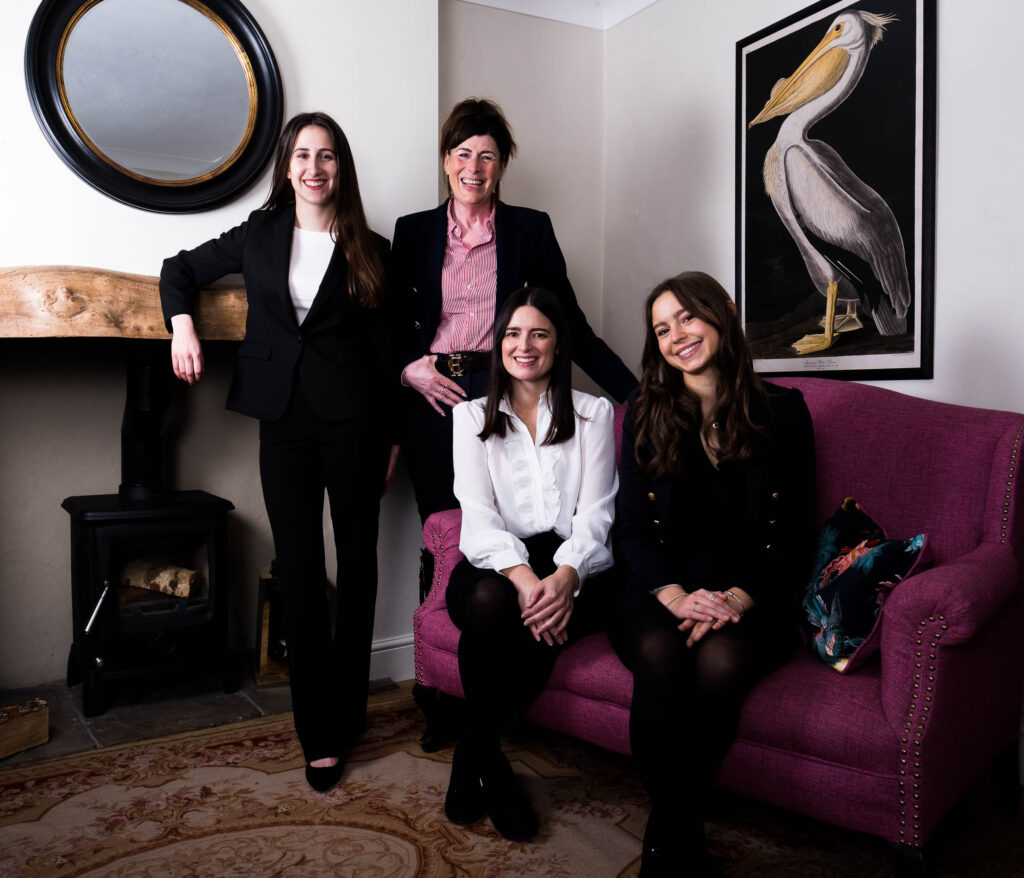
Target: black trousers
x: 427, y: 446
x: 301, y: 456
x: 503, y: 669
x: 687, y: 700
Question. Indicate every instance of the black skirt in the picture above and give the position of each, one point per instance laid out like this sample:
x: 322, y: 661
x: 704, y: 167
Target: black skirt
x: 591, y: 608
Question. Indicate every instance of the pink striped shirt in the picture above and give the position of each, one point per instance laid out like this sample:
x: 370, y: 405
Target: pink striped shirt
x: 469, y: 286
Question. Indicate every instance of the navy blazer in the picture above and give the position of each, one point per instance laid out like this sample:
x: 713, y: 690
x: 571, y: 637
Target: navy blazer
x: 528, y: 255
x: 780, y: 480
x: 342, y: 353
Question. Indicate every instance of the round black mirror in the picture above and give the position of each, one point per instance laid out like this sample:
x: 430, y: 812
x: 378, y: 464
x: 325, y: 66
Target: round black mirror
x: 166, y: 105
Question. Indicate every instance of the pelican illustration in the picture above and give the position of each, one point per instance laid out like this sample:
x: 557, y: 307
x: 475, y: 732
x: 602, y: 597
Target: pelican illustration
x: 815, y: 192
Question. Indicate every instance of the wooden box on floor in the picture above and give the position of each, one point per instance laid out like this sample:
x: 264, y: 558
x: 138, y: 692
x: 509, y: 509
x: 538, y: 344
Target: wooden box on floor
x: 23, y: 725
x: 271, y: 665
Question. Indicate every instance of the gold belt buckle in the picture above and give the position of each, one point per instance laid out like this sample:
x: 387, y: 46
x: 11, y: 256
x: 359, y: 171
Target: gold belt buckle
x: 455, y: 365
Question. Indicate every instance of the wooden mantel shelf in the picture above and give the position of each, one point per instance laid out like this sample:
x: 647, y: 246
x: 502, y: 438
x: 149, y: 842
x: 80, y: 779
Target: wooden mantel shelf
x: 60, y: 301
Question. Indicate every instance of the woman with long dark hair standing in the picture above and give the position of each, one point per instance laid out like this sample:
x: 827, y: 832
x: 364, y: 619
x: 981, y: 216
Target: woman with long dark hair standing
x: 317, y: 369
x: 716, y: 532
x: 535, y: 475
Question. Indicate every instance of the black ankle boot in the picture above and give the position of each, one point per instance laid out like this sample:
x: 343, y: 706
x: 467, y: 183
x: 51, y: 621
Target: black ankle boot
x: 505, y: 801
x: 464, y: 801
x: 674, y: 845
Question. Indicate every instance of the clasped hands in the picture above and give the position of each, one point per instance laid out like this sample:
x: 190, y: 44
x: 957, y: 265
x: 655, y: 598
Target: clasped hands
x: 701, y: 611
x: 546, y: 603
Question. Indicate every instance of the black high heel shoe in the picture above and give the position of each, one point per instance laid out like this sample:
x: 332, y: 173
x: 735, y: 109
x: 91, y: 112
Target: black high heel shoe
x: 507, y: 805
x: 325, y: 778
x: 464, y: 802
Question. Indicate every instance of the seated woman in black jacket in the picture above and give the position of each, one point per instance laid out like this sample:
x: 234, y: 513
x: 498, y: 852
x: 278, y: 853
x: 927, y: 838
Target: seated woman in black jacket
x: 716, y: 534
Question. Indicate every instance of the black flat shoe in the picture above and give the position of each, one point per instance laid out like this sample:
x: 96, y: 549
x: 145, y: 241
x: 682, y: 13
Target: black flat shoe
x: 464, y: 802
x: 507, y: 805
x: 323, y: 779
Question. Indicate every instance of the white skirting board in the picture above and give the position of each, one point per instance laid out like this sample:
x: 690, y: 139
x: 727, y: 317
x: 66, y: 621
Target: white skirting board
x: 393, y: 657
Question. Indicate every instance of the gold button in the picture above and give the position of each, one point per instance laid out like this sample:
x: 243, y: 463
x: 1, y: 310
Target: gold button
x: 775, y: 495
x: 772, y: 522
x: 650, y: 496
x: 656, y: 521
x: 416, y: 324
x: 768, y: 547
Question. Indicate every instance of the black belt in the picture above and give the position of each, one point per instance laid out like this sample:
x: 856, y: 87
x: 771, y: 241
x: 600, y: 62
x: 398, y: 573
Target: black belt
x: 463, y: 362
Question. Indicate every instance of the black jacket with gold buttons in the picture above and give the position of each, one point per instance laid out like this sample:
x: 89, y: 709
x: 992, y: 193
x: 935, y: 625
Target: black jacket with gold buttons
x: 780, y: 484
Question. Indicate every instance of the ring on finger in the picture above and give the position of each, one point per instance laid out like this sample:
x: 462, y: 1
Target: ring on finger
x: 713, y: 597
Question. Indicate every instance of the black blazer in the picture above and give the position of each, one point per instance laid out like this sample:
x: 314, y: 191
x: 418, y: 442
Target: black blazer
x: 528, y: 255
x: 342, y: 352
x: 780, y: 480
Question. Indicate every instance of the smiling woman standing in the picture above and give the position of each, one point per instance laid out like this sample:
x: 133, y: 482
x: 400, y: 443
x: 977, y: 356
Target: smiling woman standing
x: 716, y: 532
x: 317, y: 368
x: 453, y: 267
x: 535, y: 473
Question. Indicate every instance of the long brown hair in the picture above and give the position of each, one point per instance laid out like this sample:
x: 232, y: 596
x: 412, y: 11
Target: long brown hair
x: 563, y: 414
x: 667, y: 414
x: 348, y: 228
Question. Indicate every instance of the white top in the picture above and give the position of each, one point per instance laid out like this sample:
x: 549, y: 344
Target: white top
x: 515, y: 487
x: 311, y: 254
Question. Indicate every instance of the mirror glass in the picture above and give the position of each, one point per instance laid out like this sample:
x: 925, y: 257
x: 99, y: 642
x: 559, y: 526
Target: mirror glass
x: 166, y: 105
x: 157, y: 88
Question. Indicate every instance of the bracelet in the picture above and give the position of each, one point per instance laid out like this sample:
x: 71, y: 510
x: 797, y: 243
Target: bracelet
x: 730, y: 594
x: 681, y: 594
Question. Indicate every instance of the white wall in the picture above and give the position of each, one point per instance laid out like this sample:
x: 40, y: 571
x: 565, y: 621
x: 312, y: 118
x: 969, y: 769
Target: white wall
x: 373, y: 66
x: 669, y: 165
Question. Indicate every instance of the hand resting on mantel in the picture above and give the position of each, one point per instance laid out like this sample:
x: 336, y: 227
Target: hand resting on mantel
x: 66, y: 301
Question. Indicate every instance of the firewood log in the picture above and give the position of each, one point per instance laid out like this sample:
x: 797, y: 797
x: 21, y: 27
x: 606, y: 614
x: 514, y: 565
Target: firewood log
x: 160, y: 576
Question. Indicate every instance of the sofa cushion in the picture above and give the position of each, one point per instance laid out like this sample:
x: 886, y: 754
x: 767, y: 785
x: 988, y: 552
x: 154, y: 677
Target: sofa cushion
x: 803, y: 707
x: 855, y: 568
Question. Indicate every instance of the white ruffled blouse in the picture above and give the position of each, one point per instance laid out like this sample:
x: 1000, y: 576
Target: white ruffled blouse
x: 514, y: 487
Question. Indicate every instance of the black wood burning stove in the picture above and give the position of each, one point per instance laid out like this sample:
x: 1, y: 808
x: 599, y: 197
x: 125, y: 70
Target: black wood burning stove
x: 122, y: 631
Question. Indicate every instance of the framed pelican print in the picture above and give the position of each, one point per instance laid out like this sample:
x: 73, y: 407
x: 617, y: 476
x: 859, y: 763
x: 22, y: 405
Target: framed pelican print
x: 835, y: 183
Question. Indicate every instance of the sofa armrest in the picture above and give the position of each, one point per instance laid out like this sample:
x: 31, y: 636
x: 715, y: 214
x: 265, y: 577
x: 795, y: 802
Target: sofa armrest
x: 942, y: 628
x: 965, y: 593
x: 441, y: 533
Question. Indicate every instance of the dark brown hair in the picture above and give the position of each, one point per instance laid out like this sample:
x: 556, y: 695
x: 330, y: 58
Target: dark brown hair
x: 349, y: 228
x: 667, y: 414
x: 563, y: 415
x: 478, y: 117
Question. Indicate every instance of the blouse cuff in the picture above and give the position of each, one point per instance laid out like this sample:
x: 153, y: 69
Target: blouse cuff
x: 575, y: 560
x: 506, y: 559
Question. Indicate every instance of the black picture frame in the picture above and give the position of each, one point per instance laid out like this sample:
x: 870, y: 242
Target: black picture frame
x: 42, y: 50
x: 884, y: 132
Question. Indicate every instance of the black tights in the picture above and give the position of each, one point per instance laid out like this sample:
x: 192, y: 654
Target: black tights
x: 687, y: 701
x: 503, y: 668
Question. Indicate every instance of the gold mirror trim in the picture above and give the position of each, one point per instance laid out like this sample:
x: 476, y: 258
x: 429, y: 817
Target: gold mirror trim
x: 250, y: 78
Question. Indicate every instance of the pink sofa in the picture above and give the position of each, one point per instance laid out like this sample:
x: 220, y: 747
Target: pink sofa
x: 890, y: 748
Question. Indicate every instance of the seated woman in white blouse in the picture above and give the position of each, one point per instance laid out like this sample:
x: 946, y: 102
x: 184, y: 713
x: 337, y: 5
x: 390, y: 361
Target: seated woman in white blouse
x: 535, y: 476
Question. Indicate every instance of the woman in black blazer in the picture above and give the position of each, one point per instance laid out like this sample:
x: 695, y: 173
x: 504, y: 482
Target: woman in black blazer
x: 453, y: 267
x: 715, y: 532
x: 317, y: 369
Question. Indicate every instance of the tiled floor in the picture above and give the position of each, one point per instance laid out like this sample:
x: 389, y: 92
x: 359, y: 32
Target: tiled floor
x: 145, y: 709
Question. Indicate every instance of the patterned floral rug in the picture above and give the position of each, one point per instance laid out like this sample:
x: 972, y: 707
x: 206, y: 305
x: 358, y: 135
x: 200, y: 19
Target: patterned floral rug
x: 233, y: 801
